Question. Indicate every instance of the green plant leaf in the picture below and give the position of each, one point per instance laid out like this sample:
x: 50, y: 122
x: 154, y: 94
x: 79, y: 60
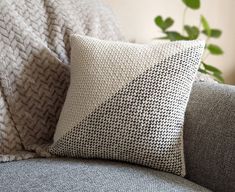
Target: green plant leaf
x: 162, y: 38
x: 215, y: 33
x: 175, y: 36
x: 215, y: 49
x: 206, y: 26
x: 168, y: 22
x: 159, y: 21
x: 192, y: 31
x: 212, y: 71
x: 193, y: 4
x: 211, y: 68
x: 202, y: 71
x: 218, y: 77
x: 164, y: 24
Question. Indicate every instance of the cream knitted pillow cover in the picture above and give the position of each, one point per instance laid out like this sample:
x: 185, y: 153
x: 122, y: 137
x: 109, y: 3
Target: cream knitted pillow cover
x: 127, y: 102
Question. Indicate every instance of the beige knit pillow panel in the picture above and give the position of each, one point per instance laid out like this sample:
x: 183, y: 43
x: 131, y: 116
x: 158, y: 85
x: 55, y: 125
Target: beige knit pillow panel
x: 127, y: 102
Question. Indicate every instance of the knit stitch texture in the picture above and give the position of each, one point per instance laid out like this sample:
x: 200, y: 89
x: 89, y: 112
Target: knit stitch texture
x: 127, y: 102
x: 34, y: 66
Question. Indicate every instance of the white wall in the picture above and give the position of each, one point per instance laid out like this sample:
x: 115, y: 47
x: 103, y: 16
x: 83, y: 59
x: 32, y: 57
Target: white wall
x: 136, y: 19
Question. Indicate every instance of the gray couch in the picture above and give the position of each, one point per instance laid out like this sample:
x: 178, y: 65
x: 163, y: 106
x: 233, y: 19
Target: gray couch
x: 209, y: 139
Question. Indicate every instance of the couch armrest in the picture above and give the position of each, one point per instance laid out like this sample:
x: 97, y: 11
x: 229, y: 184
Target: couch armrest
x: 209, y: 136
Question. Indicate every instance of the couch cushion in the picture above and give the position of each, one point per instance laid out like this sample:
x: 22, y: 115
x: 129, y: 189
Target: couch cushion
x: 209, y: 136
x: 87, y: 175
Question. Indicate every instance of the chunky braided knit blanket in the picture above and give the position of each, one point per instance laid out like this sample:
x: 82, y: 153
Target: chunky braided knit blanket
x: 34, y: 67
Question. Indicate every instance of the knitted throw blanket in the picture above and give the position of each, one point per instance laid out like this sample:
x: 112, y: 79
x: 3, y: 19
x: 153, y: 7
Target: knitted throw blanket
x: 34, y: 67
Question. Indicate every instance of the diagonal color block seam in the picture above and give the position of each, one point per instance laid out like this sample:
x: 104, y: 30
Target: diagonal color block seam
x: 109, y: 131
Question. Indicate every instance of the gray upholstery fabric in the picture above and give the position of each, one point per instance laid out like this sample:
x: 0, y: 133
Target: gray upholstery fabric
x: 209, y: 136
x: 39, y: 175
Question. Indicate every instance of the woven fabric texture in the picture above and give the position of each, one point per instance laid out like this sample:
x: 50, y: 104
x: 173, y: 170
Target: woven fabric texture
x: 82, y: 175
x: 34, y: 66
x: 209, y: 136
x: 127, y: 102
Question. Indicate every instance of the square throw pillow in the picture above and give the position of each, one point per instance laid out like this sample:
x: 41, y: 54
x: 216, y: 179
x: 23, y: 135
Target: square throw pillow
x: 127, y: 102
